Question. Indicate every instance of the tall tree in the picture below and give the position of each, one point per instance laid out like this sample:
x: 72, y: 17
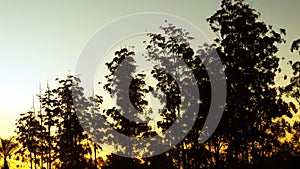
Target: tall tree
x: 247, y: 48
x: 50, y: 105
x: 164, y: 49
x: 124, y: 98
x: 167, y: 49
x: 131, y: 105
x: 27, y: 129
x: 54, y: 135
x: 70, y: 134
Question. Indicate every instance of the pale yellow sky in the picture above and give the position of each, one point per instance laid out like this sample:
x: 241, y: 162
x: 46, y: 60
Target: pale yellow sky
x: 42, y: 40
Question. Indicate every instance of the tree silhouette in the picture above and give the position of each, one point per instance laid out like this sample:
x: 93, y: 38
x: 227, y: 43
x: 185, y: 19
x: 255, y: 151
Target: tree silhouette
x: 65, y: 131
x: 54, y: 136
x: 175, y: 44
x: 165, y: 46
x: 70, y: 135
x: 7, y: 148
x: 247, y: 48
x: 123, y: 74
x: 248, y: 134
x: 50, y: 104
x: 27, y: 129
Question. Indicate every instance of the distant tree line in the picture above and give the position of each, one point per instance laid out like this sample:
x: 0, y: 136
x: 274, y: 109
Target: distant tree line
x: 52, y: 136
x: 253, y: 132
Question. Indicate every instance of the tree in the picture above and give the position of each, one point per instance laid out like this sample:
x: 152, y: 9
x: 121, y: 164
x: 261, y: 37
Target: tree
x: 70, y: 134
x: 55, y: 135
x: 27, y: 129
x: 7, y: 148
x: 247, y: 136
x: 50, y: 105
x: 166, y: 50
x: 247, y: 48
x: 248, y: 133
x: 122, y: 72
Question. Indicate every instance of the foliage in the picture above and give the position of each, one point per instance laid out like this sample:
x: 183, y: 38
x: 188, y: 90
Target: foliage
x: 251, y: 130
x: 54, y: 138
x: 7, y: 148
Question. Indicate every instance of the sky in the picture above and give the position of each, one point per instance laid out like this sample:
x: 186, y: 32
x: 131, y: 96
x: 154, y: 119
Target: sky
x: 42, y: 40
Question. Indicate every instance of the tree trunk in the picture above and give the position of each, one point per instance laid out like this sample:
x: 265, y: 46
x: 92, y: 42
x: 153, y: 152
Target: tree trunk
x: 35, y: 158
x: 5, y: 163
x: 49, y: 148
x: 95, y: 155
x: 31, y: 160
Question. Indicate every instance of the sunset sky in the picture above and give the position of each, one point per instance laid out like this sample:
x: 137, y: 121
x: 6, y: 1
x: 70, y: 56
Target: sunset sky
x: 40, y: 41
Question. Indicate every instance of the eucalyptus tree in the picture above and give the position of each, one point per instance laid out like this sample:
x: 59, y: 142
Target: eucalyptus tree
x: 27, y: 129
x: 247, y: 47
x: 50, y: 105
x: 70, y: 136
